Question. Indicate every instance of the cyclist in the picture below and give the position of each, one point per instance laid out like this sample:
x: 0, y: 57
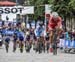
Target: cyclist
x: 27, y: 42
x: 7, y: 39
x: 31, y: 35
x: 55, y: 23
x: 33, y: 38
x: 40, y: 38
x: 21, y: 41
x: 28, y: 35
x: 15, y: 38
x: 41, y: 46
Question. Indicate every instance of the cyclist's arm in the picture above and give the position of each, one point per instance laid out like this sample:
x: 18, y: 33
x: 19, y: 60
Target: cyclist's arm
x: 60, y: 23
x: 59, y: 26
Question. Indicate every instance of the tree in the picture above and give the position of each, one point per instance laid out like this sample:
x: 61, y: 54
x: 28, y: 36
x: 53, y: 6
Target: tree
x: 65, y: 8
x: 72, y: 4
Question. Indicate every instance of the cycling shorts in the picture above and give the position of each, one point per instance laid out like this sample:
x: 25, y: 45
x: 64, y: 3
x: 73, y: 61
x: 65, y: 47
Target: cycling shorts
x: 47, y: 38
x: 21, y: 38
x: 7, y: 40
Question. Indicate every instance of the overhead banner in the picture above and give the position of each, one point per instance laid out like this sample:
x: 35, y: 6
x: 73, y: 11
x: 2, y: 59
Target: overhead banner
x: 11, y: 12
x: 17, y: 10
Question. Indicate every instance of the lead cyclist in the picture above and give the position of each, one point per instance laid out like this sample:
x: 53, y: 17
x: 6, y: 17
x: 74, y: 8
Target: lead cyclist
x: 55, y: 23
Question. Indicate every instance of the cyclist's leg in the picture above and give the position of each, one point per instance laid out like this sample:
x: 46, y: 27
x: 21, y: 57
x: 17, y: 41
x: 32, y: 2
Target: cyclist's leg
x: 44, y: 44
x: 51, y: 37
x: 51, y: 40
x: 22, y: 44
x: 36, y: 45
x: 6, y: 46
x: 14, y: 46
x: 47, y: 46
x: 1, y: 44
x: 19, y: 44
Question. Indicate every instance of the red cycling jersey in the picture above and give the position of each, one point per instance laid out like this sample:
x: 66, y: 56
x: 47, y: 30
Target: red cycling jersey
x: 54, y: 23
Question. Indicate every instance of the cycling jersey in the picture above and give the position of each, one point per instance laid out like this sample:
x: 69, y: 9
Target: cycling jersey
x: 39, y: 31
x: 54, y: 23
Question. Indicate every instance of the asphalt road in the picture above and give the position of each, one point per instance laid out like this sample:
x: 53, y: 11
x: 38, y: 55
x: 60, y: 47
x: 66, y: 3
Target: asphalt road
x: 33, y: 57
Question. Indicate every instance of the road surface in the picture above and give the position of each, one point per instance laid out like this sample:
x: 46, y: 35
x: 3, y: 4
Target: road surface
x: 33, y: 57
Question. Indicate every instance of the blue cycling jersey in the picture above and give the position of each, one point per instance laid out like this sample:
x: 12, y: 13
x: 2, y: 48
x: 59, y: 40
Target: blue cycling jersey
x: 19, y: 35
x: 39, y: 31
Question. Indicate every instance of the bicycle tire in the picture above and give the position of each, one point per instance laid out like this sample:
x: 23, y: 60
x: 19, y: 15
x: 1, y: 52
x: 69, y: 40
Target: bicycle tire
x: 55, y: 44
x: 55, y: 50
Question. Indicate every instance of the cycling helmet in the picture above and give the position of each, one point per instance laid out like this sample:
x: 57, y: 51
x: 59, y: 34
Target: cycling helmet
x: 55, y: 14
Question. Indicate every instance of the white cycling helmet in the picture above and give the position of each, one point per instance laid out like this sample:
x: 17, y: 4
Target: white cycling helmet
x: 55, y: 14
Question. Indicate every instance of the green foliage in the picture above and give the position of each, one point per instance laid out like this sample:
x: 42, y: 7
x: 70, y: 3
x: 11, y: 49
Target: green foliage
x: 63, y: 7
x: 72, y: 3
